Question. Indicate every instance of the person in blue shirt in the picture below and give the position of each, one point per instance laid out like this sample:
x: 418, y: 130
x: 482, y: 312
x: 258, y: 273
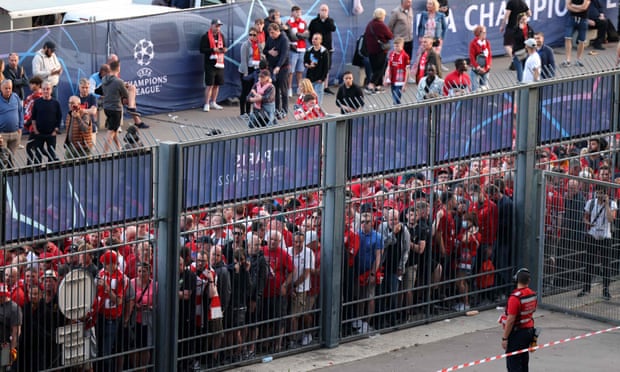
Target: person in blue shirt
x: 11, y: 116
x: 547, y: 59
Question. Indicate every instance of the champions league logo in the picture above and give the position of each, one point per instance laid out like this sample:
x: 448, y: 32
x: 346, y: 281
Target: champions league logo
x: 143, y: 54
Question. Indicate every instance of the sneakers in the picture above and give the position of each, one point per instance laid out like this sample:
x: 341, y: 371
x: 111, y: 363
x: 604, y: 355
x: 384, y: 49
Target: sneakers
x: 598, y: 46
x: 292, y: 345
x: 328, y: 91
x: 357, y: 324
x: 579, y: 63
x: 365, y: 328
x: 583, y: 293
x: 206, y: 108
x: 461, y: 307
x: 307, y: 339
x: 143, y: 125
x: 215, y: 106
x: 565, y: 64
x: 290, y: 92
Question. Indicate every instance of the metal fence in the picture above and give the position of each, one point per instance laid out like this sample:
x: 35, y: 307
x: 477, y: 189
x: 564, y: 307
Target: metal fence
x: 243, y: 246
x: 581, y: 247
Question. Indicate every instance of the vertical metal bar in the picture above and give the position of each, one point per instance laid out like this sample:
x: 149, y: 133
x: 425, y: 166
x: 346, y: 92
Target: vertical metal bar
x: 168, y: 201
x: 525, y: 186
x: 332, y: 238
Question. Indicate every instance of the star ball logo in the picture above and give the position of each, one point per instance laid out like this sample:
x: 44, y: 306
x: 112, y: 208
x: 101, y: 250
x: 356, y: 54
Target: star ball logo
x: 147, y: 82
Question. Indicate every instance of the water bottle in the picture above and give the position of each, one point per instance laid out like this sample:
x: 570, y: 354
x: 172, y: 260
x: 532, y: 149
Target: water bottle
x: 267, y: 359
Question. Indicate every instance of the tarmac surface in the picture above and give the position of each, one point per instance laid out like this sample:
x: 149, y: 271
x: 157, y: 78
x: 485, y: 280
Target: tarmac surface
x: 461, y: 340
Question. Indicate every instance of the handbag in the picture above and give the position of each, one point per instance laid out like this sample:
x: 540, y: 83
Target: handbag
x: 521, y: 53
x: 481, y: 60
x: 384, y: 46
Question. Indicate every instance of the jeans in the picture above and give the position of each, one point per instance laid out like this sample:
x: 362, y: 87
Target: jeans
x: 518, y: 67
x: 397, y: 93
x: 318, y: 88
x: 107, y: 331
x: 478, y: 80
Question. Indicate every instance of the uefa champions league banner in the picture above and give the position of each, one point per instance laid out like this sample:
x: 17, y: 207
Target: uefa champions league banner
x: 251, y: 166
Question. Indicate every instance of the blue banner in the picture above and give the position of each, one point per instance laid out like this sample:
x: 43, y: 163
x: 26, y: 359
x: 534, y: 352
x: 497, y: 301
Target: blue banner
x: 576, y: 108
x: 251, y: 166
x: 50, y: 201
x: 389, y: 142
x: 474, y: 126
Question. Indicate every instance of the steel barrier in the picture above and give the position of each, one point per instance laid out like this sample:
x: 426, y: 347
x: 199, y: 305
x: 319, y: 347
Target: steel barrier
x: 392, y: 217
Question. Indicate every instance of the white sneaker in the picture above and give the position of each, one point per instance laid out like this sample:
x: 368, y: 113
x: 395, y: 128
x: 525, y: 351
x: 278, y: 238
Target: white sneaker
x: 459, y: 307
x: 306, y: 339
x: 216, y: 106
x: 290, y: 92
x: 365, y: 328
x: 357, y: 324
x: 205, y: 108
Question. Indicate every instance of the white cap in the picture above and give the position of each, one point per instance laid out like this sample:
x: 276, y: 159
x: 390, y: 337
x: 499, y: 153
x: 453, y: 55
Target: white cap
x: 530, y: 43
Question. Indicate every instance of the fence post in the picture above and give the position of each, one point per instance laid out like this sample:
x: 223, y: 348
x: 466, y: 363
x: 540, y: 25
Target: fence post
x: 167, y: 259
x: 334, y: 168
x: 526, y: 187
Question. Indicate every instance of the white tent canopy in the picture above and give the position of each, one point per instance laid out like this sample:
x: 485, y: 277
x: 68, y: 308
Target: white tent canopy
x: 32, y: 8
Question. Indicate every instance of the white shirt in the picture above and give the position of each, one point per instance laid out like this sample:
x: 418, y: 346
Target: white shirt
x: 302, y: 262
x: 600, y: 227
x: 532, y: 63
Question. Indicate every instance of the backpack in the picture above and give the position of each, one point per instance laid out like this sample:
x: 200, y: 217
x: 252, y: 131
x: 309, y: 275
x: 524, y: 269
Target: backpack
x: 361, y: 46
x: 486, y: 280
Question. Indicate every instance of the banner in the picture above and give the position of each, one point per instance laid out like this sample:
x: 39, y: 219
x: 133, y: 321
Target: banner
x: 51, y: 201
x: 251, y: 166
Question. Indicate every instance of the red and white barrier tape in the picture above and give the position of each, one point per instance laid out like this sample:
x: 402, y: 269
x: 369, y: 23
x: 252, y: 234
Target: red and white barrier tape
x: 549, y: 344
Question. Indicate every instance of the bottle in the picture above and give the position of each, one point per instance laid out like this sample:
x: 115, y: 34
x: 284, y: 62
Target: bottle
x: 267, y: 359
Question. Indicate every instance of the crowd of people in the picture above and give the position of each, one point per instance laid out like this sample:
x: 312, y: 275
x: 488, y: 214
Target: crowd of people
x: 249, y: 273
x: 40, y: 116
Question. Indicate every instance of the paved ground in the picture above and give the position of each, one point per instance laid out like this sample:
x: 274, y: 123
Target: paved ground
x: 461, y: 340
x: 191, y: 124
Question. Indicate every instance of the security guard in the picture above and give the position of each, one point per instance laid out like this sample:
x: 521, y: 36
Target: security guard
x: 519, y: 325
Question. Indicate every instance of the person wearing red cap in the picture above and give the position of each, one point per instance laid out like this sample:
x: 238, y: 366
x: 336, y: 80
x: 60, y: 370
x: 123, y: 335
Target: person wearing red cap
x: 109, y: 306
x: 11, y: 321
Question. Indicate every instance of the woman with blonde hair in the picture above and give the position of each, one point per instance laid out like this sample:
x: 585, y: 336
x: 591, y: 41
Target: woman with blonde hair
x: 305, y: 87
x: 433, y: 23
x: 377, y: 37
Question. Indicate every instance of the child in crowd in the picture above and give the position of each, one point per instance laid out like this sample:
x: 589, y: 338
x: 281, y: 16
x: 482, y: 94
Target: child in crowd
x: 397, y: 72
x: 309, y: 109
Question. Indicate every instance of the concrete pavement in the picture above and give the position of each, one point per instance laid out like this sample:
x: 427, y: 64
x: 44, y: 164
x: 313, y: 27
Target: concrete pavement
x: 460, y: 340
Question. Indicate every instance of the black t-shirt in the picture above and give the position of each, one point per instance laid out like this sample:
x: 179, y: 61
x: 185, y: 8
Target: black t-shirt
x: 516, y: 7
x: 578, y: 14
x: 187, y: 308
x: 418, y: 232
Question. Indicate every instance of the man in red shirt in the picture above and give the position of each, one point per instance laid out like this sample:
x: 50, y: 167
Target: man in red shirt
x: 109, y: 306
x: 458, y: 81
x: 519, y: 326
x: 278, y: 284
x: 488, y: 216
x: 444, y: 233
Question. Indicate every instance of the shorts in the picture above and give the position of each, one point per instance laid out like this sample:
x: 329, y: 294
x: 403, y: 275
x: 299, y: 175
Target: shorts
x: 509, y: 39
x: 214, y: 76
x: 302, y: 302
x: 573, y: 23
x: 113, y: 119
x: 215, y: 325
x: 410, y: 276
x: 297, y: 61
x: 238, y: 316
x: 367, y: 292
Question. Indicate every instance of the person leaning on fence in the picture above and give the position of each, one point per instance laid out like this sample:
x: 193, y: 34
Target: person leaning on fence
x: 146, y: 290
x: 10, y: 322
x: 599, y: 215
x: 79, y: 141
x: 259, y: 269
x: 309, y: 109
x: 262, y: 96
x: 350, y: 97
x: 431, y: 85
x: 458, y: 81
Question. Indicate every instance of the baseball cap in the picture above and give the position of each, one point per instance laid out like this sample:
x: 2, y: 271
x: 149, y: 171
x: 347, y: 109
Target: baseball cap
x: 530, y: 43
x: 216, y: 22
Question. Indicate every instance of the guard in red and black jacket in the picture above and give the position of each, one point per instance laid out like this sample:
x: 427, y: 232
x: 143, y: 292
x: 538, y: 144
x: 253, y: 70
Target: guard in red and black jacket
x: 519, y: 326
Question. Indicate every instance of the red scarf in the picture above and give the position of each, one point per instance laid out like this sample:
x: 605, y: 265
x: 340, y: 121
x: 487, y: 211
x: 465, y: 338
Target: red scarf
x: 218, y: 57
x: 255, y: 59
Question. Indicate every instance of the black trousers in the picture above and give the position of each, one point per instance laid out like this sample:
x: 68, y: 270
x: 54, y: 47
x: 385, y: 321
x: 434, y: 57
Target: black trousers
x: 39, y: 145
x: 598, y: 252
x: 378, y: 65
x: 517, y: 340
x: 280, y: 82
x: 246, y: 87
